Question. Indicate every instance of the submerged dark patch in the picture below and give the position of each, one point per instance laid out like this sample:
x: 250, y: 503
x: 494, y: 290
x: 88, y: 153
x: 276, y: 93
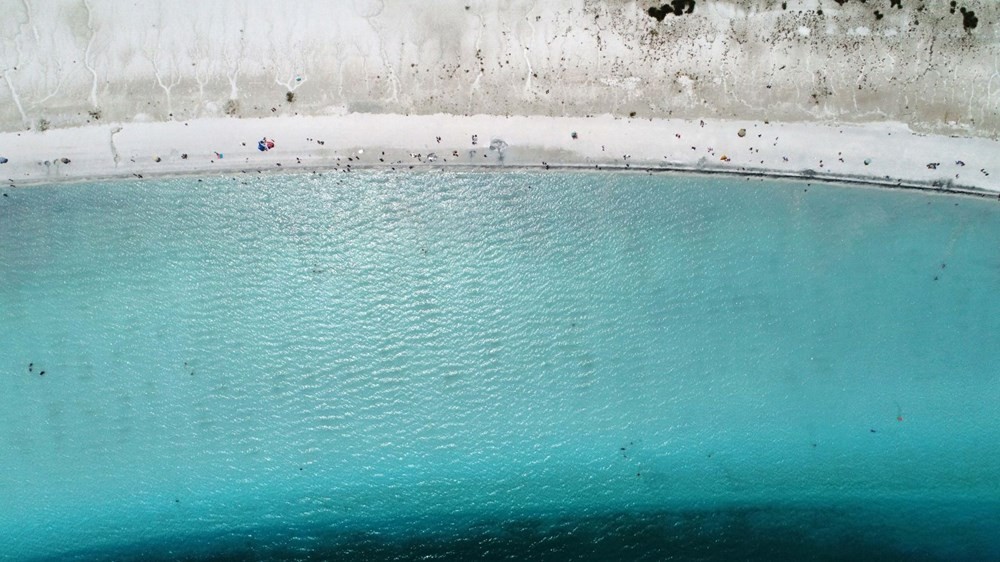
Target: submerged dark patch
x: 733, y: 533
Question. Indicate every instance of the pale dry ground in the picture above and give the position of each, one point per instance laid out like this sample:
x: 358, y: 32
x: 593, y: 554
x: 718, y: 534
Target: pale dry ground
x: 887, y: 154
x: 63, y: 62
x: 895, y: 91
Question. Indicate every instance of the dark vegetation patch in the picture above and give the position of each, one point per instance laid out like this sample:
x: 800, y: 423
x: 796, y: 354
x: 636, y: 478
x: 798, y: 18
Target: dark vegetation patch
x: 969, y: 19
x: 675, y: 7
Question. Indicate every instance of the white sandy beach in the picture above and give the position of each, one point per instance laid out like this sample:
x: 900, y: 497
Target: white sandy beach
x: 109, y: 89
x: 885, y: 154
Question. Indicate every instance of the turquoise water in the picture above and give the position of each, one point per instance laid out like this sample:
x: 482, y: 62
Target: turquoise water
x: 497, y: 366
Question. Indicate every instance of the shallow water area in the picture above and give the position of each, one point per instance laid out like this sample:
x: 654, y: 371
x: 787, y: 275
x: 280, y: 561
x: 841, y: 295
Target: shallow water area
x: 497, y: 365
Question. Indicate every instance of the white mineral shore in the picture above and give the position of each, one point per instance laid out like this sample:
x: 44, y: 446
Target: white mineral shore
x: 905, y: 94
x: 888, y: 154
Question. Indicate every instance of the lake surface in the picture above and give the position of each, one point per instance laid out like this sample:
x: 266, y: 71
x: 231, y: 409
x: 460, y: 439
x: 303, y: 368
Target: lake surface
x: 516, y: 366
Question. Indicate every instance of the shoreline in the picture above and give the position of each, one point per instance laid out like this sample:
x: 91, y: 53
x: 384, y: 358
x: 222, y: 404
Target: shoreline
x: 840, y: 181
x: 886, y: 155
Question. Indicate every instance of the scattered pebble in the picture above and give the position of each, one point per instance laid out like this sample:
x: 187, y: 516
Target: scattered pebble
x: 742, y: 133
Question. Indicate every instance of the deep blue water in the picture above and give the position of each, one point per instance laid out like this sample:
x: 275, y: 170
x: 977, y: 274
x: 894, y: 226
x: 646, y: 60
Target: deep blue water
x: 515, y: 366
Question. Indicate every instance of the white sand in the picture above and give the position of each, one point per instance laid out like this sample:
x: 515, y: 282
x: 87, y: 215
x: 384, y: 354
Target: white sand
x: 115, y: 85
x: 894, y: 155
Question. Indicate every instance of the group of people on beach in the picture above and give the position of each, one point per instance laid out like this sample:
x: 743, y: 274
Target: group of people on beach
x: 265, y: 144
